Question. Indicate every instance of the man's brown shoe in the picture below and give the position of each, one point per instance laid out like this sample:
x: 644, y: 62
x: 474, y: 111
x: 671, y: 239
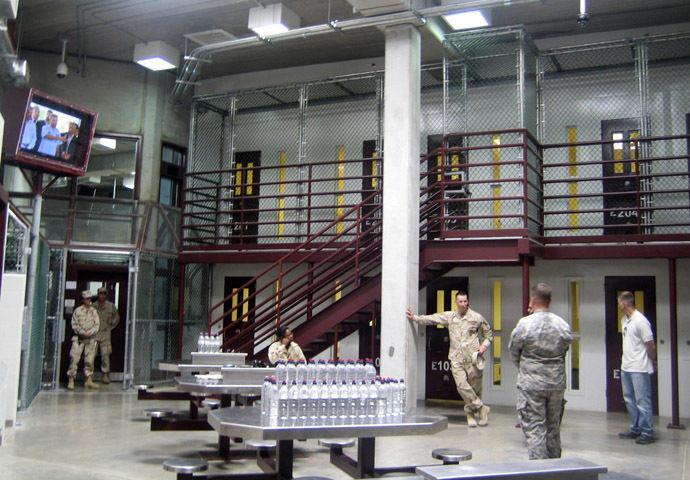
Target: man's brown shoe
x: 90, y: 383
x: 70, y: 383
x: 106, y: 378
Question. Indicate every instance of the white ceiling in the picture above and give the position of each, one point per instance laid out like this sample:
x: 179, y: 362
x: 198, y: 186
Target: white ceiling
x: 109, y: 29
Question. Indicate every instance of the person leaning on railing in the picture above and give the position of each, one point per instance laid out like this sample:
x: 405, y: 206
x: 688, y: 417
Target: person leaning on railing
x: 285, y: 348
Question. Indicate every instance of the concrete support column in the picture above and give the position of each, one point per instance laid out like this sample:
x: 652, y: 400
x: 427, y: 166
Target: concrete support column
x: 152, y: 112
x: 400, y: 265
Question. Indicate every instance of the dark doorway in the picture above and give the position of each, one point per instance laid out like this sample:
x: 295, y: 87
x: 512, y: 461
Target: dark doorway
x: 453, y: 194
x: 245, y: 205
x: 620, y: 169
x: 92, y: 277
x: 440, y: 297
x: 237, y: 291
x: 645, y: 301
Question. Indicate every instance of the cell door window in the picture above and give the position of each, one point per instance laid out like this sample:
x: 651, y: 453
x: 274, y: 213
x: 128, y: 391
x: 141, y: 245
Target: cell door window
x: 173, y: 164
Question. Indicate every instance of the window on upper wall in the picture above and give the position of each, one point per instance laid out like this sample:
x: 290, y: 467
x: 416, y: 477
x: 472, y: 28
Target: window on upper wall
x: 173, y: 164
x: 112, y: 169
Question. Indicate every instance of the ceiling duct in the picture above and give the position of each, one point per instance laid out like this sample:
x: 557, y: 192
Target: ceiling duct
x: 379, y: 7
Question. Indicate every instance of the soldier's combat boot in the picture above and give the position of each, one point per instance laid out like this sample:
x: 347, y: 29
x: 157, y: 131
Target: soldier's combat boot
x: 70, y: 383
x: 89, y: 383
x: 484, y: 415
x: 106, y: 378
x: 471, y: 421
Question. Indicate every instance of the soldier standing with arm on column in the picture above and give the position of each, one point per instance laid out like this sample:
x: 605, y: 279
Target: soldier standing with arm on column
x: 85, y: 325
x: 470, y: 336
x: 107, y: 313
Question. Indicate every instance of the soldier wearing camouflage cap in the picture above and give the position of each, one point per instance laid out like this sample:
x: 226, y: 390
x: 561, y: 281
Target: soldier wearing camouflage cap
x: 85, y: 324
x: 109, y: 318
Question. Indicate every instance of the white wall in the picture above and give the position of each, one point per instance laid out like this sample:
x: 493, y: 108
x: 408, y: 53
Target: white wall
x: 12, y: 308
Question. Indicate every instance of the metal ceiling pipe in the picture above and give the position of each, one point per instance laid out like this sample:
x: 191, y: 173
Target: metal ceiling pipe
x: 191, y: 69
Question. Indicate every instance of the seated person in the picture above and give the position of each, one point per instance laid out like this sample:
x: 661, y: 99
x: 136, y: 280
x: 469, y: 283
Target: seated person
x: 285, y: 348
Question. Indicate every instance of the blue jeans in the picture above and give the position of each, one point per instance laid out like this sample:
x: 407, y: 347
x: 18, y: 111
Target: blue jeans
x: 637, y: 393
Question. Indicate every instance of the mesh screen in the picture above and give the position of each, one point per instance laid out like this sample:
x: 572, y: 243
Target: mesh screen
x: 55, y: 326
x: 16, y: 243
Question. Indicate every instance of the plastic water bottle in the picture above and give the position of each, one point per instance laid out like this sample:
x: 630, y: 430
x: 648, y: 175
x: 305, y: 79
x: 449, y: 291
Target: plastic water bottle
x: 281, y: 373
x: 340, y: 371
x: 321, y: 371
x: 304, y: 400
x: 273, y: 399
x: 324, y: 399
x: 264, y: 395
x: 293, y: 401
x: 359, y: 371
x: 372, y: 400
x: 301, y: 372
x: 331, y: 371
x: 350, y: 370
x: 311, y: 371
x: 218, y: 343
x: 382, y: 398
x: 291, y: 372
x: 200, y: 342
x: 363, y: 396
x: 313, y: 407
x: 343, y: 399
x: 395, y: 397
x: 403, y: 396
x: 353, y: 399
x: 333, y: 399
x: 283, y: 401
x: 369, y: 370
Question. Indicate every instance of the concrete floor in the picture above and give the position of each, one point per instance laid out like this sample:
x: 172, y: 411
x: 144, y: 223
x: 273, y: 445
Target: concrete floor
x: 103, y: 435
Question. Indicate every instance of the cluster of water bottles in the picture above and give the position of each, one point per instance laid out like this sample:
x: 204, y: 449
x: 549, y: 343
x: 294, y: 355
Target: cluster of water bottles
x: 208, y: 343
x: 337, y: 391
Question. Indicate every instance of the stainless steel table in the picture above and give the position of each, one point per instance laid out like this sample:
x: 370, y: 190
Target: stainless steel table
x: 550, y: 469
x: 247, y: 422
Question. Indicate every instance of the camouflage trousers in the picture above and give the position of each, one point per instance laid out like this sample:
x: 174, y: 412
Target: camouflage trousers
x: 104, y: 348
x: 540, y: 414
x: 468, y: 380
x: 79, y: 345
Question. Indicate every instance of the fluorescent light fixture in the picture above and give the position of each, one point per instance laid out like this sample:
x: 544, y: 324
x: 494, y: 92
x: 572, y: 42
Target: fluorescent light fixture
x: 110, y: 143
x: 272, y: 19
x: 466, y: 20
x: 156, y: 55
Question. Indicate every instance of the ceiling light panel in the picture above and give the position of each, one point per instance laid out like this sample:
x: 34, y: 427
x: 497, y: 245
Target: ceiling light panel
x: 272, y: 19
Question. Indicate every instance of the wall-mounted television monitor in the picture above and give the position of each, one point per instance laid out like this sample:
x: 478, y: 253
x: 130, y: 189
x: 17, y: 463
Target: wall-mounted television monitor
x: 47, y: 133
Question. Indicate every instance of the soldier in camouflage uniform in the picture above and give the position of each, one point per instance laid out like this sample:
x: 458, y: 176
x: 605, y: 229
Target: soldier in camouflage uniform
x: 538, y: 346
x: 85, y: 325
x: 469, y: 332
x: 107, y: 313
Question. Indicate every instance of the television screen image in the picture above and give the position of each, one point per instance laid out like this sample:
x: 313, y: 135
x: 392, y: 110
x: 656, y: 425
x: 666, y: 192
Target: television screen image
x: 42, y: 131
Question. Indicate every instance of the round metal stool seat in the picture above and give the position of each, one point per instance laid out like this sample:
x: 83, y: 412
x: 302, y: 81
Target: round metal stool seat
x: 211, y: 403
x: 337, y: 442
x: 157, y: 412
x: 185, y: 465
x: 260, y: 444
x: 451, y: 456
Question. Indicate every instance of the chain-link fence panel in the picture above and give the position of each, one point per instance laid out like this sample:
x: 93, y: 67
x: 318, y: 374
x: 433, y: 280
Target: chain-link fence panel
x: 342, y: 123
x: 16, y: 244
x: 55, y: 325
x: 154, y: 328
x: 196, y: 306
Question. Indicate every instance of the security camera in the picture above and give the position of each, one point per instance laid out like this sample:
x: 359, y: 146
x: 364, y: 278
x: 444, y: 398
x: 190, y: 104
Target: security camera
x: 583, y: 19
x: 61, y: 70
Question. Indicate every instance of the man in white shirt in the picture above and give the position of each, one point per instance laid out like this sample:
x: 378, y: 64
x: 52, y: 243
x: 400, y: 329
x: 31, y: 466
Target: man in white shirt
x: 29, y: 135
x: 637, y: 366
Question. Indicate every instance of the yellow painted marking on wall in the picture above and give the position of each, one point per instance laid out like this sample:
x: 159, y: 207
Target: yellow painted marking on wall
x: 498, y: 341
x: 281, y: 189
x: 572, y: 151
x: 439, y: 163
x: 497, y: 207
x: 575, y: 306
x: 496, y: 140
x: 245, y: 306
x: 617, y: 152
x: 440, y: 301
x: 575, y: 357
x: 374, y: 170
x: 250, y: 177
x: 498, y: 305
x: 455, y: 160
x: 338, y: 291
x: 340, y: 200
x: 234, y: 304
x: 238, y: 180
x: 573, y: 204
x: 634, y: 153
